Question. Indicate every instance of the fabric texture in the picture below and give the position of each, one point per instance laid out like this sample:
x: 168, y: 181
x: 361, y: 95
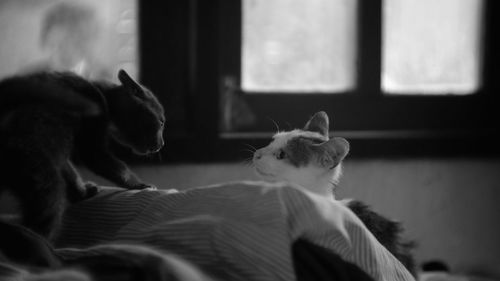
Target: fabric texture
x: 313, y: 262
x: 25, y: 255
x: 232, y: 231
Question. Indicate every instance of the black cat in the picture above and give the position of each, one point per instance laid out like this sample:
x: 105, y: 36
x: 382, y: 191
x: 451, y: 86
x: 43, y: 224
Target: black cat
x: 46, y: 117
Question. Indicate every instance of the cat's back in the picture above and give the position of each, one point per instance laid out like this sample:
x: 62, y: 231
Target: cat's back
x: 38, y: 129
x: 64, y: 89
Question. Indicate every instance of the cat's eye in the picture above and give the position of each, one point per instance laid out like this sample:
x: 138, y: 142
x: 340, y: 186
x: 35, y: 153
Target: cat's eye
x: 281, y: 154
x: 162, y: 123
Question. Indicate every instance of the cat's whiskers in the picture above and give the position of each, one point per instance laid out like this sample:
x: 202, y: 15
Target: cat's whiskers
x: 251, y: 153
x: 248, y: 162
x: 275, y: 124
x: 334, y: 185
x: 251, y: 147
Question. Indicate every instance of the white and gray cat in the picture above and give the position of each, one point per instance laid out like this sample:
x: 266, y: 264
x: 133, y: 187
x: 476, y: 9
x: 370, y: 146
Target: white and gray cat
x: 306, y: 157
x: 311, y: 159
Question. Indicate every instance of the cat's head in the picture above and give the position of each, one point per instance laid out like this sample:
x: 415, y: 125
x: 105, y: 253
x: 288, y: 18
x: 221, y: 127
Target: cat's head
x: 307, y: 157
x: 137, y: 115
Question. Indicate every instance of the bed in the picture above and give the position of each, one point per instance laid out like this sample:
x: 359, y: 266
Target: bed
x: 229, y: 231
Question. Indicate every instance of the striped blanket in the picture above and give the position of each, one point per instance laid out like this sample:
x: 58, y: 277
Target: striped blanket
x: 231, y: 231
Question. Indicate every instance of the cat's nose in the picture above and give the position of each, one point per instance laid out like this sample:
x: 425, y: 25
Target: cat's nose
x: 257, y: 155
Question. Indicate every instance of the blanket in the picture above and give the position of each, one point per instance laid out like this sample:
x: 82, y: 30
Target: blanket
x: 231, y: 231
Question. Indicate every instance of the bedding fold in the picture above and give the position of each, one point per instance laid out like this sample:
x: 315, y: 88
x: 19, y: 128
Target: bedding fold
x: 232, y: 231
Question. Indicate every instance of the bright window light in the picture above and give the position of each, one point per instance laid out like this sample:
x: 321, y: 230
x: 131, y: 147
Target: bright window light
x: 431, y: 47
x: 299, y: 46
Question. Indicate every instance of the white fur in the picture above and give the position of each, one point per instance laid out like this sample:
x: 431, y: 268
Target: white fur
x: 284, y: 137
x: 313, y: 177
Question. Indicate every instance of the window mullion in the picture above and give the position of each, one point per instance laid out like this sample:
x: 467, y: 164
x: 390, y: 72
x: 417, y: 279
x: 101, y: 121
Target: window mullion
x: 369, y: 47
x: 490, y: 57
x: 230, y: 38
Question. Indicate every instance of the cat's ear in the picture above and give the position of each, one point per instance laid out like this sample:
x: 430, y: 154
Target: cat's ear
x: 318, y: 123
x: 128, y: 81
x: 335, y: 150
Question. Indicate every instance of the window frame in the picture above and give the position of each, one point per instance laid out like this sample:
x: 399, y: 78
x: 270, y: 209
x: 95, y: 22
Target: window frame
x: 417, y: 126
x: 363, y: 112
x: 363, y: 108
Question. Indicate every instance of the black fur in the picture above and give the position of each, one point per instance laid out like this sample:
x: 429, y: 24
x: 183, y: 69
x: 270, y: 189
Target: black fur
x: 387, y: 232
x: 46, y: 117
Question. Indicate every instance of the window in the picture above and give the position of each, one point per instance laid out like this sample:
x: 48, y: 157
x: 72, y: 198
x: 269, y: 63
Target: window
x: 383, y: 90
x: 431, y: 50
x: 215, y: 93
x: 298, y: 46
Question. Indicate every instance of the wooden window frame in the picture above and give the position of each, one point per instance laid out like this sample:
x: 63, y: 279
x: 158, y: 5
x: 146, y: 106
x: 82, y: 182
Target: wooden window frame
x: 375, y: 124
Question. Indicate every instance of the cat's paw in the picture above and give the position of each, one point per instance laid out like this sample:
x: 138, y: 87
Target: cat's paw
x: 91, y: 189
x: 141, y: 185
x: 82, y: 191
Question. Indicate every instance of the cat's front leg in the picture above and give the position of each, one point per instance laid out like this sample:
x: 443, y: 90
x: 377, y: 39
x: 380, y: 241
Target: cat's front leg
x: 111, y: 168
x: 130, y: 180
x: 76, y: 188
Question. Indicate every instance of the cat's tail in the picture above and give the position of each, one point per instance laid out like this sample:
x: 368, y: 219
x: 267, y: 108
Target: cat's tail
x: 19, y: 91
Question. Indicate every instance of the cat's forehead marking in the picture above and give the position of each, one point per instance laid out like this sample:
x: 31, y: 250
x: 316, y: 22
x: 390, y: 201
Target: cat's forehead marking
x: 282, y: 138
x: 298, y: 146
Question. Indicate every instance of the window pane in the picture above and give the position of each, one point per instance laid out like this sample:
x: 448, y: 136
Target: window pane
x: 90, y: 37
x: 431, y: 47
x: 297, y: 45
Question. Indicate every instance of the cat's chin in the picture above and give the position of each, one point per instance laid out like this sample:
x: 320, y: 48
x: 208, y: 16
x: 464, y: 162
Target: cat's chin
x: 262, y: 174
x: 139, y: 150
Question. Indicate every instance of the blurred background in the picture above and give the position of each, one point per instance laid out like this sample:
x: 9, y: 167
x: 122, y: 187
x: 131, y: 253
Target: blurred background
x: 412, y: 84
x: 90, y: 37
